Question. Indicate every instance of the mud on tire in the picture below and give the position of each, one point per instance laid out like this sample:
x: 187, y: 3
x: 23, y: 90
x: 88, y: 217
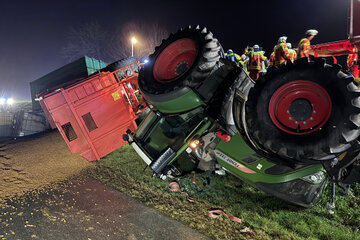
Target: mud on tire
x: 326, y: 99
x: 186, y: 58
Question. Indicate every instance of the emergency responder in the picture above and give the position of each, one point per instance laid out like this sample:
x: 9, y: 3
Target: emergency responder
x: 281, y: 52
x: 304, y: 44
x: 230, y: 55
x: 292, y: 52
x: 243, y: 62
x: 353, y: 64
x: 264, y: 65
x: 256, y: 57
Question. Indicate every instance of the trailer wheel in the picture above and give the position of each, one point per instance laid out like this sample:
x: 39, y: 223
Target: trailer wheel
x: 119, y: 64
x: 304, y: 111
x: 186, y: 58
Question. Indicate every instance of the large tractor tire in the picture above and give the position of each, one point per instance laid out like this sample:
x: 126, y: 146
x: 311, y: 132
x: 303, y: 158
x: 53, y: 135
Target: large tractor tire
x: 185, y: 59
x: 304, y: 111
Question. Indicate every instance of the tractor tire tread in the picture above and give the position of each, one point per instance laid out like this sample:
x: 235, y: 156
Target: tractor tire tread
x: 337, y: 135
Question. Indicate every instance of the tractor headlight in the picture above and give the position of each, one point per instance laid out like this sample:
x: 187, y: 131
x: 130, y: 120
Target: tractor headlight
x: 315, y: 178
x: 194, y: 144
x: 2, y: 101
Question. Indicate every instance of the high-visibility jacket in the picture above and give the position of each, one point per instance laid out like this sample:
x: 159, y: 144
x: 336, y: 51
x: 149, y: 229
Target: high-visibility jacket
x: 255, y: 60
x: 264, y: 65
x: 281, y: 53
x: 352, y: 59
x: 303, y: 48
x: 292, y: 55
x: 244, y: 64
x: 233, y: 57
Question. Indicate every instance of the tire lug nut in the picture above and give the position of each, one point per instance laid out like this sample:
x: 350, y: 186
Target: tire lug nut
x: 296, y: 122
x: 290, y: 118
x: 314, y: 111
x: 304, y: 122
x: 311, y: 118
x: 287, y: 111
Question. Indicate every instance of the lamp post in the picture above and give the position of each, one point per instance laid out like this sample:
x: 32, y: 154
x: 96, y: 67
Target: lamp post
x: 133, y: 41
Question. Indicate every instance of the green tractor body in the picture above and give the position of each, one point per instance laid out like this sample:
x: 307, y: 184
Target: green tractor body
x: 154, y: 140
x: 284, y: 135
x: 301, y: 186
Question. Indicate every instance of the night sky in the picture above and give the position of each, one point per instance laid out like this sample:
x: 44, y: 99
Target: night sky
x: 33, y: 33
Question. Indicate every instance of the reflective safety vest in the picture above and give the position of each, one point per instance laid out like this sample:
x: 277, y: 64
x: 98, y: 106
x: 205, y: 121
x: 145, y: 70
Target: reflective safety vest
x: 281, y: 53
x: 292, y: 55
x: 233, y: 57
x: 303, y: 48
x: 244, y: 64
x: 264, y: 65
x: 255, y: 60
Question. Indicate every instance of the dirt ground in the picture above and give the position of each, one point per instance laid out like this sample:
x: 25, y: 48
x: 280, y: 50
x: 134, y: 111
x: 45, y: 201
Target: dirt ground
x: 29, y: 164
x: 43, y: 196
x: 81, y: 208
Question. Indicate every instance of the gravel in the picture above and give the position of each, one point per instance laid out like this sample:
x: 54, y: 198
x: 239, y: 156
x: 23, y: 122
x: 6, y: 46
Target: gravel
x: 34, y: 162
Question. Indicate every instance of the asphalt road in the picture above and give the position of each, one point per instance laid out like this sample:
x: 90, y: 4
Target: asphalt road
x: 83, y: 208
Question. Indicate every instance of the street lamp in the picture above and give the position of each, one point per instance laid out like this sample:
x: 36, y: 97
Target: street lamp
x: 133, y: 41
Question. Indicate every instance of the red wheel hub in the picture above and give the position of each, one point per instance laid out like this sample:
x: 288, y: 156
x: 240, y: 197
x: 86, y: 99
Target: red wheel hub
x: 300, y: 107
x: 175, y: 60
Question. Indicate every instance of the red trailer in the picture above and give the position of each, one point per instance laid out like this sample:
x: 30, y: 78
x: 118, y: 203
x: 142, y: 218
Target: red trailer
x: 94, y: 113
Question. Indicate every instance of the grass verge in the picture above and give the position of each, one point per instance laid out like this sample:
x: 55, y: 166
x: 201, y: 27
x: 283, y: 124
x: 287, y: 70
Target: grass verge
x: 268, y: 217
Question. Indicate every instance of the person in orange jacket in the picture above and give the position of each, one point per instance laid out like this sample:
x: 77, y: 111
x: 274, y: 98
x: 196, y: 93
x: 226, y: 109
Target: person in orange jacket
x: 292, y: 52
x: 304, y: 44
x: 281, y: 52
x: 352, y: 63
x: 256, y: 57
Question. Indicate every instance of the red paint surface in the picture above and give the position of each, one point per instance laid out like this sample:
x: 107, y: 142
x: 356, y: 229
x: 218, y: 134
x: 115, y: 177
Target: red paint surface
x: 283, y: 97
x: 180, y: 52
x: 112, y: 104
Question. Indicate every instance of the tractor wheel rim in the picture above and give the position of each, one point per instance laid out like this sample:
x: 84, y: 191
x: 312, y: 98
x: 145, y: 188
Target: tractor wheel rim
x: 300, y: 107
x: 175, y: 60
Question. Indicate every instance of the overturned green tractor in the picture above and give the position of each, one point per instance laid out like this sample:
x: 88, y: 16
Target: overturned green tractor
x: 297, y: 127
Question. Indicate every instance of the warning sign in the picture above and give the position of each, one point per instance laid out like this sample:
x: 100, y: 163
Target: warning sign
x: 116, y: 95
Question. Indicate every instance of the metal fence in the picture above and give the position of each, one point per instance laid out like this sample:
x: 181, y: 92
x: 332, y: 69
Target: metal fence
x: 6, y: 124
x: 19, y: 120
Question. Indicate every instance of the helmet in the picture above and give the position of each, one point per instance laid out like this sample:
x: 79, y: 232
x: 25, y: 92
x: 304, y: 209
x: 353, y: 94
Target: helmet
x: 282, y: 39
x: 288, y: 45
x: 243, y: 57
x: 229, y: 51
x: 311, y: 32
x: 256, y: 47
